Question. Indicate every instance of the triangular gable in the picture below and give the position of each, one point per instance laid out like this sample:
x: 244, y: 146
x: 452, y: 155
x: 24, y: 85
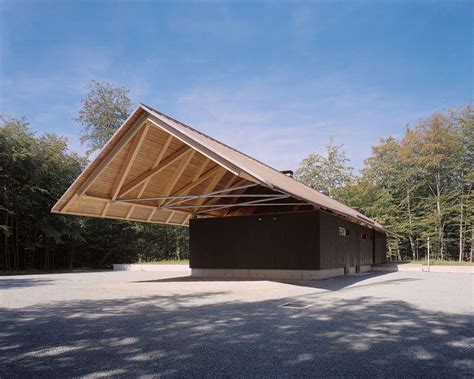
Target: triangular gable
x: 153, y: 161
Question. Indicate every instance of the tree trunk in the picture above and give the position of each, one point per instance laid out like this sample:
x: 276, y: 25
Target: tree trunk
x: 46, y: 255
x: 35, y: 244
x: 472, y: 243
x: 17, y: 249
x: 7, y: 256
x: 410, y: 222
x: 461, y: 244
x: 439, y: 227
x: 14, y: 245
x: 71, y: 257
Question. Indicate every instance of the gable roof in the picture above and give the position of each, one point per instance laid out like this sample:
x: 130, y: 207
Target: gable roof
x: 111, y: 163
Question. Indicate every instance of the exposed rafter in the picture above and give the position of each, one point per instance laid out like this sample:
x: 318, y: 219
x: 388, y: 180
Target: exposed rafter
x: 202, y: 178
x: 127, y: 164
x: 158, y: 159
x: 194, y: 197
x: 177, y: 174
x: 118, y: 201
x: 152, y: 172
x: 211, y: 186
x: 105, y: 209
x: 110, y: 156
x: 246, y: 203
x: 123, y: 172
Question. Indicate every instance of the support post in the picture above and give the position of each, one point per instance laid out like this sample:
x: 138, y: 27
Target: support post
x: 428, y: 247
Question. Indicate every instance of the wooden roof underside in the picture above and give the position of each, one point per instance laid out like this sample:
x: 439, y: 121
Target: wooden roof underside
x: 147, y: 174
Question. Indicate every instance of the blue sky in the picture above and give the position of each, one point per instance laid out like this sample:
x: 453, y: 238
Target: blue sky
x: 274, y: 79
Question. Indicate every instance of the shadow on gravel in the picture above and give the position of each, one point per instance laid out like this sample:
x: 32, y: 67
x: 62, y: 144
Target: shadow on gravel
x: 341, y: 282
x: 189, y: 336
x: 6, y: 283
x: 332, y: 284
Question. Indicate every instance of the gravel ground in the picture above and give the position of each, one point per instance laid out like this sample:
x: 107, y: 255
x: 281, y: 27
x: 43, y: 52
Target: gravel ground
x: 150, y: 324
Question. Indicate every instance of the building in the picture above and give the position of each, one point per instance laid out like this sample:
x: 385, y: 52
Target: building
x: 246, y: 219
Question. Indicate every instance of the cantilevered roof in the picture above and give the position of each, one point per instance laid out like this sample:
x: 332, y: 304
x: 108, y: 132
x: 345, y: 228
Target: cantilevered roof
x: 159, y: 170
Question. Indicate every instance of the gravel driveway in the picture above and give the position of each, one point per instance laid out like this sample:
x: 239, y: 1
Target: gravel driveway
x: 131, y: 324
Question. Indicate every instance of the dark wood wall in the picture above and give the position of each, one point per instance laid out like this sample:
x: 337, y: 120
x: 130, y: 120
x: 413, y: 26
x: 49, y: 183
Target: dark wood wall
x: 344, y: 251
x: 380, y: 248
x: 307, y: 240
x: 269, y: 241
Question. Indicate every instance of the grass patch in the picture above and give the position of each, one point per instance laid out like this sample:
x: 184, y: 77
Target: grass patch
x: 438, y: 262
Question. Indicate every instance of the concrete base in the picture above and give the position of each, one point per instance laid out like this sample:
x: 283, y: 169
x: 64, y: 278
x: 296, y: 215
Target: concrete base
x: 459, y: 269
x: 393, y: 267
x: 266, y: 274
x: 150, y: 267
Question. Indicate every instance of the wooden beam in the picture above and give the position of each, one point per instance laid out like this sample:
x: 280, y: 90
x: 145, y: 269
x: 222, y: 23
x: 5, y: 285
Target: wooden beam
x: 177, y: 174
x: 170, y: 216
x: 248, y: 210
x: 157, y: 163
x: 130, y: 211
x: 226, y: 212
x: 231, y: 182
x: 162, y: 123
x: 211, y: 186
x: 158, y: 159
x: 208, y: 174
x: 118, y: 201
x: 128, y: 162
x: 179, y: 171
x: 198, y: 178
x: 152, y: 172
x: 105, y: 209
x: 151, y: 214
x: 110, y: 156
x: 78, y: 213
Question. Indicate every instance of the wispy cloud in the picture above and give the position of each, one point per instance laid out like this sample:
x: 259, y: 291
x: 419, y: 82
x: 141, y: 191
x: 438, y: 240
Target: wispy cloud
x: 280, y: 122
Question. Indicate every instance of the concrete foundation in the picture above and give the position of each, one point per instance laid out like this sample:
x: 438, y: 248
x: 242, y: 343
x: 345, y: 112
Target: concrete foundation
x: 266, y: 274
x: 150, y: 267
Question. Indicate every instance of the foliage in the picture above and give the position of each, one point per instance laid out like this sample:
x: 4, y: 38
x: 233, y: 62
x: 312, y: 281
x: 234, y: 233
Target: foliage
x: 419, y: 186
x: 104, y: 109
x: 325, y: 173
x: 36, y: 171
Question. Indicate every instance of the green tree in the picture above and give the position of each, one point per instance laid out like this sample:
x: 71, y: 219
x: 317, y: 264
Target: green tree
x: 34, y: 172
x: 437, y: 144
x: 325, y: 173
x: 463, y: 175
x: 421, y: 185
x: 104, y: 109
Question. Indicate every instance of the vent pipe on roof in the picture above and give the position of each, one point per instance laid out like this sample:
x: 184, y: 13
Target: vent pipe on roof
x: 287, y: 173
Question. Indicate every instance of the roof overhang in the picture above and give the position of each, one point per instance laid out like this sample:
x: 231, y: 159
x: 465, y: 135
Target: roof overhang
x: 158, y: 170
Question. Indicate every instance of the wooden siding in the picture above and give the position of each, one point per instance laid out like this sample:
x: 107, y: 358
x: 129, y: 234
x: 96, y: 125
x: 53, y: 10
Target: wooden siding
x: 269, y: 241
x: 380, y: 248
x: 306, y: 240
x: 352, y: 250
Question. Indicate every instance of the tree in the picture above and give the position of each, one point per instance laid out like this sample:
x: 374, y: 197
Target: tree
x: 34, y: 172
x: 421, y: 185
x: 437, y: 142
x: 325, y: 173
x: 104, y: 109
x: 463, y: 120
